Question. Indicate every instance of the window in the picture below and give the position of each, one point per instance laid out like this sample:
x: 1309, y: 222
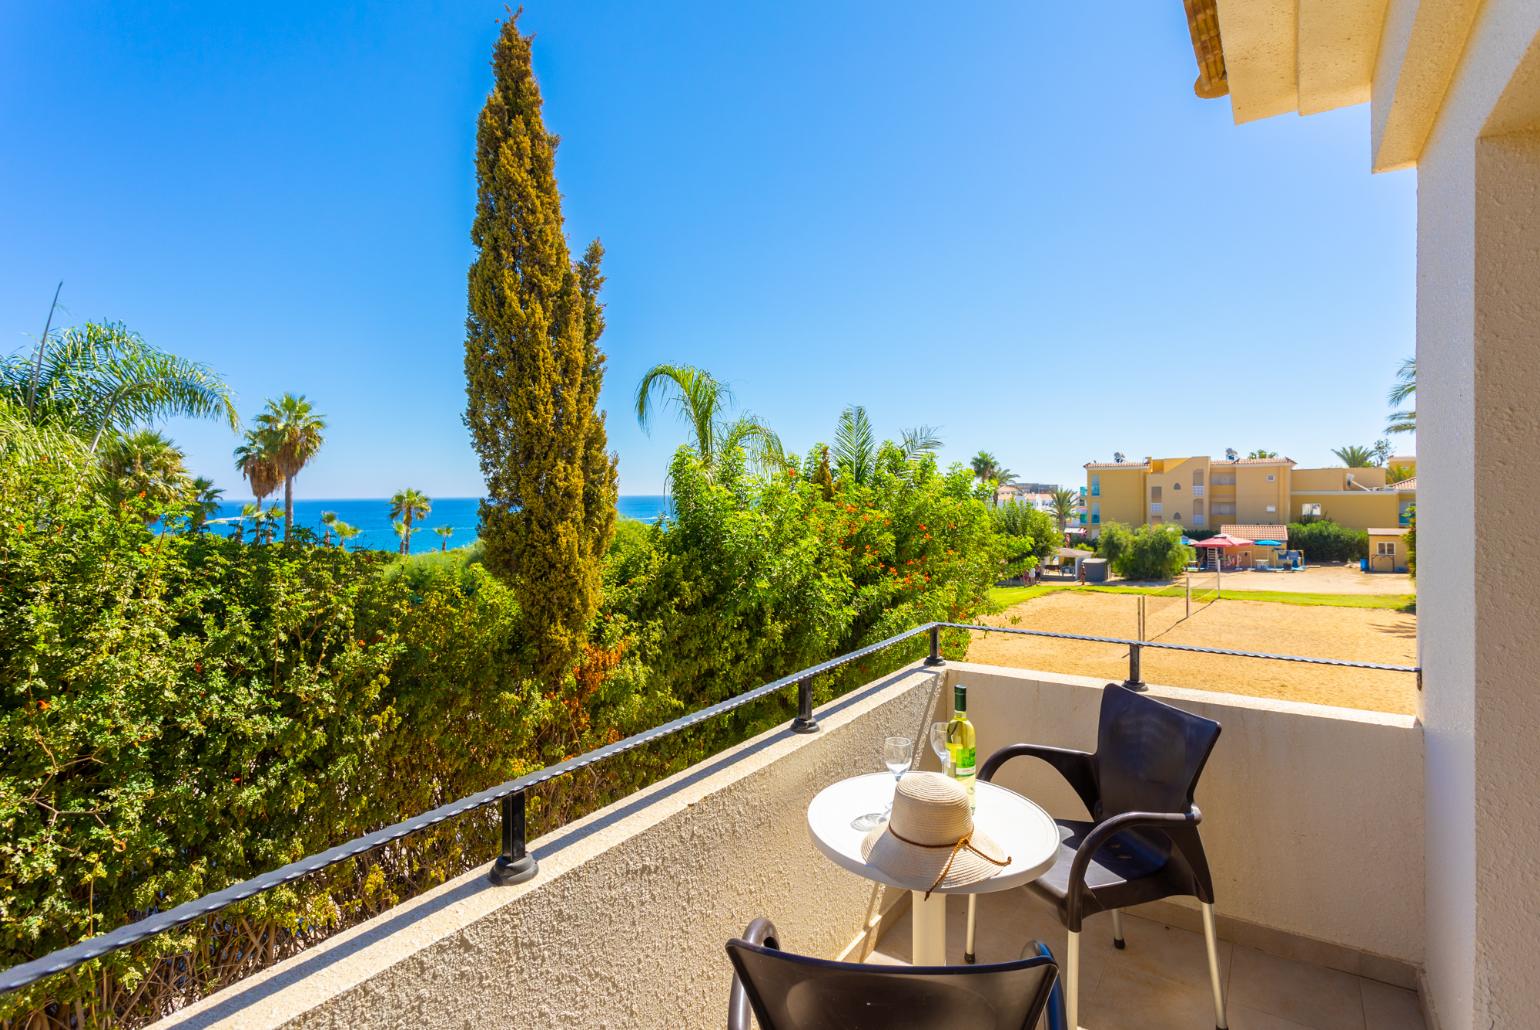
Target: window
x: 1155, y: 508
x: 1176, y: 486
x: 1271, y: 478
x: 1272, y: 509
x: 1308, y: 509
x: 1176, y: 516
x: 1223, y: 479
x: 1155, y: 497
x: 1197, y: 478
x: 1387, y: 549
x: 1223, y: 508
x: 1096, y: 486
x: 1197, y: 510
x: 1197, y: 518
x: 1096, y: 512
x: 1197, y: 489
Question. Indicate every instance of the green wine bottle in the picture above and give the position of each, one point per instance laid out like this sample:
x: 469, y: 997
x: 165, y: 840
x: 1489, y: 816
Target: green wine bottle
x: 962, y: 741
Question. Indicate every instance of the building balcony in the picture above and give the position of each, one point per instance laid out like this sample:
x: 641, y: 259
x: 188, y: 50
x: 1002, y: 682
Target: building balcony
x: 1313, y: 822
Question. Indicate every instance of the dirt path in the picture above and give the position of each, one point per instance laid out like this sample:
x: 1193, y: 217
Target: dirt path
x: 1358, y: 634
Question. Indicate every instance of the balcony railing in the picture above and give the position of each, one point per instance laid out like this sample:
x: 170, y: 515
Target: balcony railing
x: 515, y: 864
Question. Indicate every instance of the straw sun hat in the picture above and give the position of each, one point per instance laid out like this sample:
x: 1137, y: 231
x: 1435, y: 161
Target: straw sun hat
x: 929, y: 841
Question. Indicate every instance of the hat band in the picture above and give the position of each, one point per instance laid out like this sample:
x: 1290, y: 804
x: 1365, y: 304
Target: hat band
x: 966, y: 841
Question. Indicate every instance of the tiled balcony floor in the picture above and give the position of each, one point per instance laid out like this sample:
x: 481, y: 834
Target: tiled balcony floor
x: 1160, y: 980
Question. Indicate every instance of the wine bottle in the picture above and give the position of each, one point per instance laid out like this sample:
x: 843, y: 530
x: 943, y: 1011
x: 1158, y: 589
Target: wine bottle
x: 962, y: 741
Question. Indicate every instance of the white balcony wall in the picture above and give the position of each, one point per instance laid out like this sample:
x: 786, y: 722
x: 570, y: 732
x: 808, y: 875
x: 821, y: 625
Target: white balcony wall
x: 1312, y: 816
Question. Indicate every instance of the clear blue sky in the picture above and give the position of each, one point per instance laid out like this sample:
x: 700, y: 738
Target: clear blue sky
x: 1010, y: 220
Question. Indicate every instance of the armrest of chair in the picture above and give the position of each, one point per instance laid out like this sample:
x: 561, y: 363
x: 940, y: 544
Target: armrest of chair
x: 1105, y: 830
x: 1077, y: 767
x: 740, y: 1014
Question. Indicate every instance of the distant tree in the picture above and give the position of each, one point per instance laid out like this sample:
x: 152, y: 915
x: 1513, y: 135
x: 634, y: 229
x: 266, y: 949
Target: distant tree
x: 1382, y: 450
x: 1114, y: 540
x: 823, y: 475
x: 1411, y: 541
x: 148, y: 465
x: 1354, y: 456
x: 1399, y: 474
x: 294, y: 432
x: 403, y: 534
x: 329, y: 520
x: 203, y: 503
x: 919, y: 440
x: 533, y: 372
x: 1063, y: 501
x: 408, y: 506
x: 1154, y: 553
x: 257, y: 460
x: 1262, y: 454
x: 855, y: 445
x: 263, y: 522
x: 1405, y: 419
x: 345, y: 532
x: 444, y: 533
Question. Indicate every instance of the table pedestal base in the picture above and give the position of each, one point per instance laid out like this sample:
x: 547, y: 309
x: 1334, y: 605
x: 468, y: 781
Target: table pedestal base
x: 927, y: 924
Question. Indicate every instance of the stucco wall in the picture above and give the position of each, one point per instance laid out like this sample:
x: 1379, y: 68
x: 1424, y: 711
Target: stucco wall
x: 625, y: 922
x: 1122, y: 495
x: 1476, y: 325
x: 1312, y: 816
x: 1355, y: 509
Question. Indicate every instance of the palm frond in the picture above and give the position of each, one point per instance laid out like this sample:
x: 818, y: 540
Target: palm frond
x: 919, y: 440
x: 855, y: 445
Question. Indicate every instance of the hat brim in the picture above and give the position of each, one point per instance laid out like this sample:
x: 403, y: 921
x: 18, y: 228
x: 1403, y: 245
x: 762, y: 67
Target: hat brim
x: 917, y: 867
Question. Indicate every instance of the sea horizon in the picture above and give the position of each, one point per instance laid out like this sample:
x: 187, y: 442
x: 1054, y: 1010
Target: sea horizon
x: 372, y: 516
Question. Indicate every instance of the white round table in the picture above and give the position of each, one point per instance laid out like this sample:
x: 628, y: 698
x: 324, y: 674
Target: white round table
x: 1026, y: 833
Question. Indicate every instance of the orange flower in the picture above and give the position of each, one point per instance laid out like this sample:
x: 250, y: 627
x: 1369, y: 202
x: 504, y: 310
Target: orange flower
x: 43, y: 706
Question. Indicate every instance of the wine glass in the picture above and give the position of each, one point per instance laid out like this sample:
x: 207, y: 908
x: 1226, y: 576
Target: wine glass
x: 938, y: 745
x: 897, y: 755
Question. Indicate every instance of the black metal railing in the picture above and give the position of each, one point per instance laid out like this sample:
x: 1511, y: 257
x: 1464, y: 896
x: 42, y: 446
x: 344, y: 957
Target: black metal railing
x: 515, y: 864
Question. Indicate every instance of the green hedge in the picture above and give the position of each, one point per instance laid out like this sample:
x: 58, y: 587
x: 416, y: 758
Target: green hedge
x: 181, y: 712
x: 1326, y: 541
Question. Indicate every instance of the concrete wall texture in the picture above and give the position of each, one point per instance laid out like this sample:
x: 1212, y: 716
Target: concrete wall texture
x: 1312, y: 816
x: 625, y: 923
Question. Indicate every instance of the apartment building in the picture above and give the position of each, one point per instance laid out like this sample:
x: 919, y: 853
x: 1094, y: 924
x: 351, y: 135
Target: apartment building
x: 1202, y: 492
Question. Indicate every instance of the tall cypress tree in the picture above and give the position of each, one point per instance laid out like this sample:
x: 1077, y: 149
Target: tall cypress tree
x: 533, y: 370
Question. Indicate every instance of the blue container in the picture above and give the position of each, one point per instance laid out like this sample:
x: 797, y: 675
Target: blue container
x: 1363, y: 565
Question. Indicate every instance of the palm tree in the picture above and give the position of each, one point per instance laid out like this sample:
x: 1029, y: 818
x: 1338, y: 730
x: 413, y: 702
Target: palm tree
x: 1405, y: 420
x: 203, y: 504
x: 345, y: 532
x: 295, y: 431
x: 145, y: 464
x: 702, y: 401
x: 329, y: 520
x: 99, y: 379
x: 919, y: 440
x: 1063, y: 501
x: 985, y: 466
x: 444, y: 533
x: 257, y: 460
x: 1354, y: 456
x: 1262, y: 454
x: 855, y: 445
x: 262, y: 531
x: 408, y: 505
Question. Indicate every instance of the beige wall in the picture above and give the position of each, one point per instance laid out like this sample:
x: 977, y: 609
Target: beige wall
x: 1478, y: 277
x: 625, y: 922
x: 1254, y: 494
x: 1122, y: 496
x: 1354, y: 508
x: 1312, y: 816
x: 1335, y: 478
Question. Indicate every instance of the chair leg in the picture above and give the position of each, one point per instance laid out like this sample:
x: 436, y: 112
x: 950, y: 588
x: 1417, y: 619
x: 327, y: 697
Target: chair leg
x: 1072, y: 982
x: 968, y: 953
x: 1117, y: 930
x: 1211, y: 939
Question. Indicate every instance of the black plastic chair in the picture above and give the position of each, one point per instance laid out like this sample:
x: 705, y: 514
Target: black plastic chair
x: 793, y: 992
x: 1141, y: 843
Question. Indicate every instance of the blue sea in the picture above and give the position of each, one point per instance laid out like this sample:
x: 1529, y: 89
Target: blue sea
x: 372, y: 515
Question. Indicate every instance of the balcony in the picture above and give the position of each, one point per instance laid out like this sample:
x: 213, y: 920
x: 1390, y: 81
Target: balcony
x: 1320, y: 887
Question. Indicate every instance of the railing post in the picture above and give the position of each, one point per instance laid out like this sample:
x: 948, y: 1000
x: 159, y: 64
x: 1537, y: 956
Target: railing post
x: 1134, y: 682
x: 935, y: 647
x: 804, y: 722
x: 514, y: 865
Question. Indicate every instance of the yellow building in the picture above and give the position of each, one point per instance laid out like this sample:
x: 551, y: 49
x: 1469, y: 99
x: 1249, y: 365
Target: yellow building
x: 1203, y: 493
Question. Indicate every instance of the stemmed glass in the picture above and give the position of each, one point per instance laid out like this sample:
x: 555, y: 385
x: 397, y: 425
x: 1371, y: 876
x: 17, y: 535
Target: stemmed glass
x: 938, y: 745
x: 897, y: 755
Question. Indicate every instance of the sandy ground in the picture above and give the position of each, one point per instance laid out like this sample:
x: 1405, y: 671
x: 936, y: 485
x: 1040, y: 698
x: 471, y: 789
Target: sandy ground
x: 1357, y: 634
x: 1318, y: 579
